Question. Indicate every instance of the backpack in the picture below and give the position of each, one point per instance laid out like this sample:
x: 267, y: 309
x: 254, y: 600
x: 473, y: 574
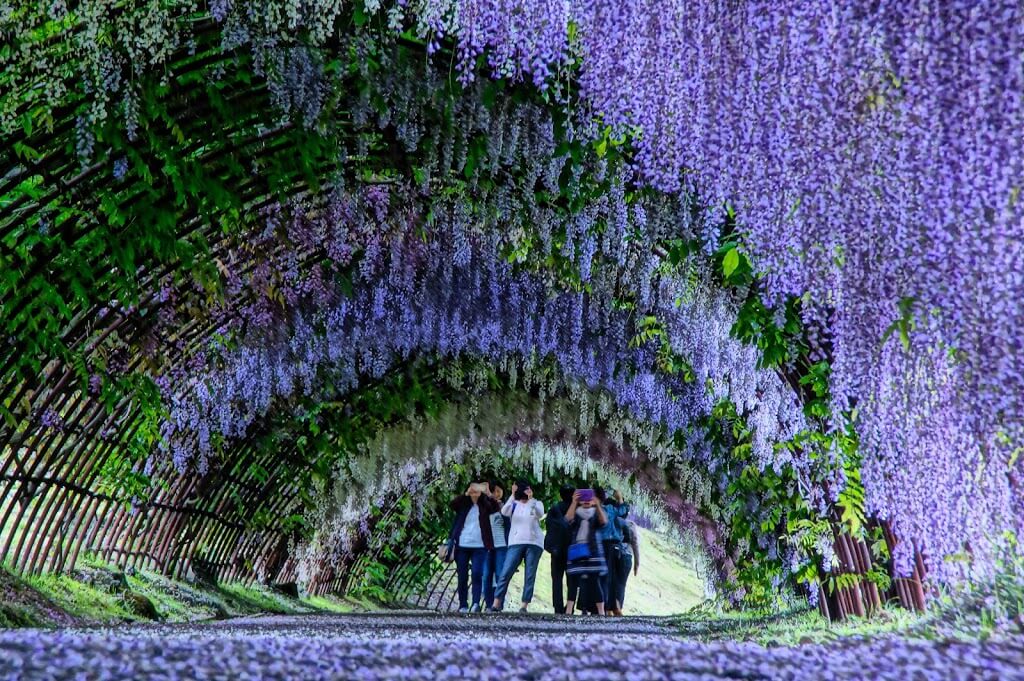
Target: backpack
x: 556, y: 540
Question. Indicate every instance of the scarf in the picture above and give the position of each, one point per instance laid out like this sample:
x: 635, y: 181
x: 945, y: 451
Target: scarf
x: 585, y: 515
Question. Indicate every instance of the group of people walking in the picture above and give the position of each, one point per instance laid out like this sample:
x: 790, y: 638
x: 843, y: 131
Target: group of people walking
x: 593, y: 547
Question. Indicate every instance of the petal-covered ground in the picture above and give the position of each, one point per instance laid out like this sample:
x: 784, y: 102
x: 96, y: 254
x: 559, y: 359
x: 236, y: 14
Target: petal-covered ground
x: 412, y: 646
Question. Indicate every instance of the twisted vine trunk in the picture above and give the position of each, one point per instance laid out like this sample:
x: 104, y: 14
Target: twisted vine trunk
x: 909, y: 590
x: 854, y: 593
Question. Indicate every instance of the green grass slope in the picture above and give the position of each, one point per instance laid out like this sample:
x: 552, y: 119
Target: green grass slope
x: 99, y: 593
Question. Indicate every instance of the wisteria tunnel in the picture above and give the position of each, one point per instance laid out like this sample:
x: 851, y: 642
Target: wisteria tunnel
x: 278, y: 278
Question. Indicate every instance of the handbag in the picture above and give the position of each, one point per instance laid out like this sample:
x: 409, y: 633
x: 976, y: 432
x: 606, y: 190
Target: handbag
x: 578, y: 551
x: 446, y: 552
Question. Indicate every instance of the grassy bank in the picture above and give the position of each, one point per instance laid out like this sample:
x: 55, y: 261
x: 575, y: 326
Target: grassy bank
x: 97, y: 593
x: 797, y: 627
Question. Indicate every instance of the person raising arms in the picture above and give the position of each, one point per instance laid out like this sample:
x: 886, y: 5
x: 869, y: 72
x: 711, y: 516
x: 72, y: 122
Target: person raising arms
x: 472, y: 538
x: 495, y: 556
x: 525, y: 543
x: 586, y: 566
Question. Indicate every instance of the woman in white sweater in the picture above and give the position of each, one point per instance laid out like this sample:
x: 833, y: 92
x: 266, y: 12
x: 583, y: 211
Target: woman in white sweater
x: 525, y: 543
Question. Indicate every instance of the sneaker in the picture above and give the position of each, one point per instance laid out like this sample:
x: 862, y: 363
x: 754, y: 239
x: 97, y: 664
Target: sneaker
x: 463, y: 610
x: 493, y: 609
x: 475, y: 607
x: 523, y: 610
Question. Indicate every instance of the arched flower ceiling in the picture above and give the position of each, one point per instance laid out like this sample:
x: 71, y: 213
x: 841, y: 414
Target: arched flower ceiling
x: 785, y: 235
x: 440, y: 294
x: 444, y: 294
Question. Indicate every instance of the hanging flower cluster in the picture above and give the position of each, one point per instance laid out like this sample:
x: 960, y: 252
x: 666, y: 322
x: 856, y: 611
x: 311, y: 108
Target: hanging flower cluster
x: 541, y: 432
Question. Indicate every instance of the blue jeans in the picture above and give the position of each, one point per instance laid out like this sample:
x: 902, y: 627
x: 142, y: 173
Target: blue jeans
x: 463, y: 559
x: 492, y: 569
x: 516, y: 554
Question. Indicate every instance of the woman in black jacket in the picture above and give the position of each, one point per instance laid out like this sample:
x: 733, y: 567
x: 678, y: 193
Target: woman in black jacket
x: 471, y: 538
x: 556, y: 542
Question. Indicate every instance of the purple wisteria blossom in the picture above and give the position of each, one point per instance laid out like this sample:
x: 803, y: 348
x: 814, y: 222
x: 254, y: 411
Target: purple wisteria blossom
x: 872, y: 154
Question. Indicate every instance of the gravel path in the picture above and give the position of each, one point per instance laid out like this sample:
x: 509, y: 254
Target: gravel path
x: 412, y: 646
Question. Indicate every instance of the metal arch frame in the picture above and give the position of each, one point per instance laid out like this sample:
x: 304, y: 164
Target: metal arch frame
x: 32, y: 546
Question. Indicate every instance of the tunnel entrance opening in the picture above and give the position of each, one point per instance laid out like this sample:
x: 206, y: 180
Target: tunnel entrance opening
x: 398, y: 555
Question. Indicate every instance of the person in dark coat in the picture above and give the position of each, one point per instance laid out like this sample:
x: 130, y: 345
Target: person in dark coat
x: 556, y: 542
x: 471, y: 538
x: 630, y: 557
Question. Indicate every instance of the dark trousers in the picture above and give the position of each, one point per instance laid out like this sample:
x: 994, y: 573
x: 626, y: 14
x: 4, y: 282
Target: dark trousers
x: 626, y: 566
x: 464, y: 558
x: 587, y: 590
x: 613, y: 556
x: 558, y: 563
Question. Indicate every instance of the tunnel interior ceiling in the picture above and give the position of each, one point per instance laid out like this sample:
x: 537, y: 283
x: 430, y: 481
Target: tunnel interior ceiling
x: 239, y: 250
